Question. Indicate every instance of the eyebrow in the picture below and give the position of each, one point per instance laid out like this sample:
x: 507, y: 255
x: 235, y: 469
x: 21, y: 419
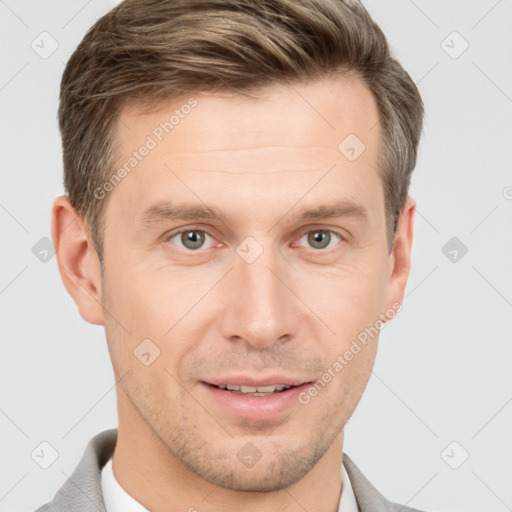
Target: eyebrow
x: 173, y: 211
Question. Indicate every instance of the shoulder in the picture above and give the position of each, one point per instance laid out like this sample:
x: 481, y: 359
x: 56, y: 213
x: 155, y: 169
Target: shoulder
x: 82, y: 492
x: 368, y: 498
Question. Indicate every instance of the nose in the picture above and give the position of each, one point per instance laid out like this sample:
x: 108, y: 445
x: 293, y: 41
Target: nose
x: 260, y: 309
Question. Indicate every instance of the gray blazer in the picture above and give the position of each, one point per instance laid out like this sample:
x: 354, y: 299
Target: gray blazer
x: 82, y: 491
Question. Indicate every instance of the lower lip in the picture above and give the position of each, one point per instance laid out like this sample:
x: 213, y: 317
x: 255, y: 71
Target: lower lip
x: 255, y: 407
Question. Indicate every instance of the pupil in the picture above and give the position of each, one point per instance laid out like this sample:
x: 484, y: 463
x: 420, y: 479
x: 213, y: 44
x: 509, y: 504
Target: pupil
x: 192, y: 239
x: 319, y: 239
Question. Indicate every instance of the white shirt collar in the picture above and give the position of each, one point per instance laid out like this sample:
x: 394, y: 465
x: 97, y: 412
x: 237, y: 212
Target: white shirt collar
x: 348, y: 501
x: 115, y: 497
x: 118, y: 500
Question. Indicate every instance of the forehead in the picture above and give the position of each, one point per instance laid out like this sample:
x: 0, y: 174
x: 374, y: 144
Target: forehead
x: 247, y: 146
x: 315, y: 116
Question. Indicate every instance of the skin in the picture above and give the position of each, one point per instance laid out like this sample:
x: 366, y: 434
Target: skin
x: 292, y: 311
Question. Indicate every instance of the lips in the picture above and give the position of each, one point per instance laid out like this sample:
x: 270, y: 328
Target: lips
x: 254, y: 398
x: 271, y: 380
x: 254, y: 390
x: 256, y: 386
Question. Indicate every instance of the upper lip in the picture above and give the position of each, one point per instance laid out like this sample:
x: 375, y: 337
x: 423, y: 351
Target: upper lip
x: 245, y: 380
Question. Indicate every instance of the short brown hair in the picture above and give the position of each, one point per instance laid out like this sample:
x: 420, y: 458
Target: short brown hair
x: 151, y: 50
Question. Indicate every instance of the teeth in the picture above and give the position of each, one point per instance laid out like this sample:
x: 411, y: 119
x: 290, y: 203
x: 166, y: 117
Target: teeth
x: 251, y: 389
x: 270, y: 389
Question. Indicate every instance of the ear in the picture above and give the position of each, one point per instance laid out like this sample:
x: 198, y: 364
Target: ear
x: 400, y: 257
x: 79, y: 265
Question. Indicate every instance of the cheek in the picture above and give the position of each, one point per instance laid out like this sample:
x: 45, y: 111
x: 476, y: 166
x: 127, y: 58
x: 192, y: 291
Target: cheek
x: 348, y: 299
x: 154, y: 315
x: 356, y: 373
x: 151, y: 301
x: 335, y: 395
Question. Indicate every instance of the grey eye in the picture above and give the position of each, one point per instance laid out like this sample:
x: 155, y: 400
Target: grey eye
x: 321, y: 238
x: 191, y: 239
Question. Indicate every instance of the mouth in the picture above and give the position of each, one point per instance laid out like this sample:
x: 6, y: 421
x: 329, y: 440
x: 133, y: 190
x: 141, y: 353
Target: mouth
x: 254, y: 390
x: 250, y: 399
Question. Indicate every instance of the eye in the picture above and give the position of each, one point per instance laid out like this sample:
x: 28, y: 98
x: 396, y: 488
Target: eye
x: 321, y: 238
x: 191, y: 239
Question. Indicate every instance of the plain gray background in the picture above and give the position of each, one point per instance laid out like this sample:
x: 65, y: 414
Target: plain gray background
x: 441, y: 388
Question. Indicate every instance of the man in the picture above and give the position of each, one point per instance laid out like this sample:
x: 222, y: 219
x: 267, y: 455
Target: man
x: 237, y: 218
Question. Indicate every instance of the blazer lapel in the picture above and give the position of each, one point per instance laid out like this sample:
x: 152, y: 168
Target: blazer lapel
x: 82, y: 490
x: 367, y: 497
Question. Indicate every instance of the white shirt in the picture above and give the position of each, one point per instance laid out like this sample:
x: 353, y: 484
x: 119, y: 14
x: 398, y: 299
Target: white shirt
x: 118, y: 500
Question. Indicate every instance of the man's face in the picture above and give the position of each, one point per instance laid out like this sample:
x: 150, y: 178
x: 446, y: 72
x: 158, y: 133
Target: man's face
x: 264, y: 294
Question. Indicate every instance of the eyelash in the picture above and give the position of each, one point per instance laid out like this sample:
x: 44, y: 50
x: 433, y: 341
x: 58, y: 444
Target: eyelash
x: 341, y: 238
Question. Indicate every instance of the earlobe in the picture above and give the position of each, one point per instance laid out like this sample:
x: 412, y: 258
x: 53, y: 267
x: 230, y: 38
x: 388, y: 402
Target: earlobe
x: 400, y: 257
x: 78, y: 262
